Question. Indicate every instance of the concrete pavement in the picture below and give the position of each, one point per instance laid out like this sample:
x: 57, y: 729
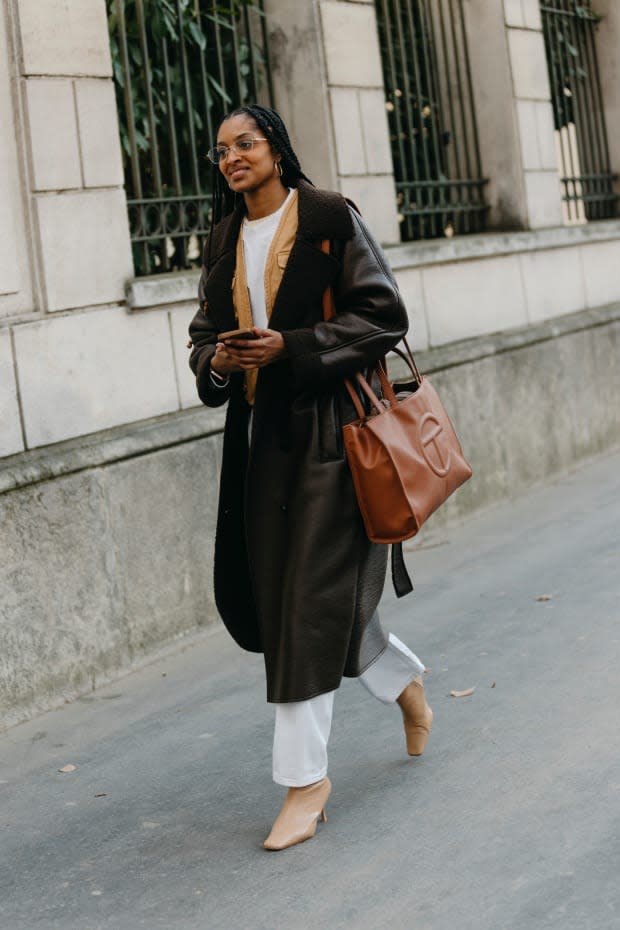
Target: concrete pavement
x: 510, y: 820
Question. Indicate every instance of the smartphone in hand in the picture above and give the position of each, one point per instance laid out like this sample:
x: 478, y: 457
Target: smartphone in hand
x: 237, y: 334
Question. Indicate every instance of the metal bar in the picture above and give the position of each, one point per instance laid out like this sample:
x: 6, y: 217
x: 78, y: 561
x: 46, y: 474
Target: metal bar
x: 188, y: 100
x: 420, y: 140
x: 253, y: 71
x: 265, y: 44
x: 241, y: 97
x: 587, y: 14
x: 426, y: 25
x: 585, y: 121
x: 605, y: 141
x: 218, y: 47
x: 174, y: 149
x: 152, y: 123
x: 556, y: 57
x: 129, y: 110
x: 598, y: 116
x: 559, y: 101
x: 389, y: 63
x: 453, y: 182
x: 470, y: 89
x: 414, y: 133
x: 439, y: 96
x: 453, y: 126
x: 461, y: 99
x: 204, y: 83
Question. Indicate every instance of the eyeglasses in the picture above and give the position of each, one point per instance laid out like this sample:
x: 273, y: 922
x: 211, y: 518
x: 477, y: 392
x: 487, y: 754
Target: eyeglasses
x: 241, y: 146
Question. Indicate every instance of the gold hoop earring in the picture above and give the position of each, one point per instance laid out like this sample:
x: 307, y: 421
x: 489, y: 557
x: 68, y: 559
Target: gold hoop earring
x: 278, y: 168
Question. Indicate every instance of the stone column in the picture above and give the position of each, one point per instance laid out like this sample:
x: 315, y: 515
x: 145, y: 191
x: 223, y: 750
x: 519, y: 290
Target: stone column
x: 75, y: 170
x: 514, y: 113
x: 329, y: 88
x: 300, y: 89
x: 15, y: 259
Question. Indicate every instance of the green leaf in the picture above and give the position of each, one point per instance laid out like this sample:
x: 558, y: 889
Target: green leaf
x: 221, y: 91
x: 197, y: 35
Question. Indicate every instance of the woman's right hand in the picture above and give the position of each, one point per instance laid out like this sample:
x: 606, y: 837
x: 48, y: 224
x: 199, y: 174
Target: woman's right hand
x: 222, y: 363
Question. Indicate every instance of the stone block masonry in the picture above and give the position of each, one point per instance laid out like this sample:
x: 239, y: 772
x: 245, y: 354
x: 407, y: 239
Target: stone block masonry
x: 124, y: 557
x: 359, y: 122
x: 82, y: 246
x: 103, y: 368
x: 11, y: 440
x: 64, y: 37
x: 106, y: 548
x: 532, y: 101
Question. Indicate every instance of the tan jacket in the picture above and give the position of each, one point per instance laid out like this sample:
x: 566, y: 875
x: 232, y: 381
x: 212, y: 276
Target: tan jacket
x: 277, y: 257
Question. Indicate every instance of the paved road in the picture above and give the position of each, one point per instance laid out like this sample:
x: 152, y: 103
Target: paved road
x: 510, y: 821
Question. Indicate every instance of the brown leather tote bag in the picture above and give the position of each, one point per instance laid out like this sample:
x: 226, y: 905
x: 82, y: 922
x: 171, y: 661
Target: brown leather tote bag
x: 404, y: 455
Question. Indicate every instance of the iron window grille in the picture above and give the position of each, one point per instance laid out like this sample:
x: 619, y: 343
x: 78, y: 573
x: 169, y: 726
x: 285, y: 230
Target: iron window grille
x: 429, y: 99
x: 179, y: 65
x: 581, y: 137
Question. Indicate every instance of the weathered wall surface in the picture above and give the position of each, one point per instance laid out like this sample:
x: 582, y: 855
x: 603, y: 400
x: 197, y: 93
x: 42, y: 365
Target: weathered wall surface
x: 106, y: 549
x: 106, y: 538
x: 100, y: 567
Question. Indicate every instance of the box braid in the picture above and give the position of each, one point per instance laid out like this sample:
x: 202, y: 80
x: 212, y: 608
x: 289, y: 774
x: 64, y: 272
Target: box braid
x: 271, y: 124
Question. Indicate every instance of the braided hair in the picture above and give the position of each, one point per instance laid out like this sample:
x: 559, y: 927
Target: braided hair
x: 271, y: 124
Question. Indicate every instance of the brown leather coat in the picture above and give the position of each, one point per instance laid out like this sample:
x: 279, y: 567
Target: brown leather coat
x: 295, y: 575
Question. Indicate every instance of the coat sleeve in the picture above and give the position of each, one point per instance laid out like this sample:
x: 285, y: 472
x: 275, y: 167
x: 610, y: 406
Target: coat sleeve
x: 370, y: 319
x: 203, y: 334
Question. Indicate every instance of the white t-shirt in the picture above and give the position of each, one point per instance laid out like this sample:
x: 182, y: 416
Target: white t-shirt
x: 257, y: 237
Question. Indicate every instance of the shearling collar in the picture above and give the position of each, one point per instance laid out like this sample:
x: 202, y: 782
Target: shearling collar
x: 322, y: 215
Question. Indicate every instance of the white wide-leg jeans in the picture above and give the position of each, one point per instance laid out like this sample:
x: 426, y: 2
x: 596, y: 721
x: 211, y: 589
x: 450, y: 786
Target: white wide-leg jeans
x: 302, y: 727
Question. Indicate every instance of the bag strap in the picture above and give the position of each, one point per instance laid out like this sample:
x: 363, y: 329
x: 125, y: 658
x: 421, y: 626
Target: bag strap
x: 329, y: 310
x: 400, y: 576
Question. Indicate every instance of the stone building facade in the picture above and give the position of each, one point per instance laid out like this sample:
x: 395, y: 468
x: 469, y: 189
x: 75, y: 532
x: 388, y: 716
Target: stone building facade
x: 108, y: 468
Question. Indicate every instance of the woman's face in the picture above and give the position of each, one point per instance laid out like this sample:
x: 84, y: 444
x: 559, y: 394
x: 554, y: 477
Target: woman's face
x: 245, y: 172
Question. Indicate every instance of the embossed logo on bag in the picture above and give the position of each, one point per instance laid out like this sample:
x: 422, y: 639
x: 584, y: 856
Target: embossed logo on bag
x: 434, y: 447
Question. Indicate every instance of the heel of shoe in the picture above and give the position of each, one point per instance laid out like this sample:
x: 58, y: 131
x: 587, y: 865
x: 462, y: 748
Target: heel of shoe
x: 302, y: 811
x: 417, y: 717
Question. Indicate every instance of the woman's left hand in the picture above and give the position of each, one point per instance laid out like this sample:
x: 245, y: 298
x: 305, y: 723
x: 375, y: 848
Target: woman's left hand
x: 256, y: 353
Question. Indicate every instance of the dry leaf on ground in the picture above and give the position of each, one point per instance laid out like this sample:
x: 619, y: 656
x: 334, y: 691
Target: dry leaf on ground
x: 68, y: 768
x: 465, y: 693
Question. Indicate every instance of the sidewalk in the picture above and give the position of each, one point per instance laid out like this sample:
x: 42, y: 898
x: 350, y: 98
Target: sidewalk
x: 510, y: 820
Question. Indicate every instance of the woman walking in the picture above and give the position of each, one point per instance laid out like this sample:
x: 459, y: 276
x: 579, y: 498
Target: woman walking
x: 296, y: 577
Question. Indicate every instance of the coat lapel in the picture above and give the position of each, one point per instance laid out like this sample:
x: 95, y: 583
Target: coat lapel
x: 309, y: 271
x: 322, y: 215
x: 218, y: 288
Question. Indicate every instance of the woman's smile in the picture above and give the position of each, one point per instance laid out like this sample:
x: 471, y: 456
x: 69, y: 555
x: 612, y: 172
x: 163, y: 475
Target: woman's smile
x: 237, y: 172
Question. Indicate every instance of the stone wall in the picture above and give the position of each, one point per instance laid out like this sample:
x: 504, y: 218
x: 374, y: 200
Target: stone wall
x: 106, y: 549
x: 76, y: 356
x: 108, y: 469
